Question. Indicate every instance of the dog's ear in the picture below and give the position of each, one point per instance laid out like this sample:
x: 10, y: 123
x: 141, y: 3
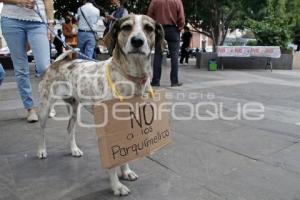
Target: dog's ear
x: 111, y: 37
x: 159, y: 35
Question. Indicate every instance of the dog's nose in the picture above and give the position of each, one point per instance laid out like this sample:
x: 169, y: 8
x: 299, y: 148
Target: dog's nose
x: 137, y: 42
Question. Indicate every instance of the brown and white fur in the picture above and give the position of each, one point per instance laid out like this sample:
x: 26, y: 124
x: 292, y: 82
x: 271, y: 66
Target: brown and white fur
x: 82, y: 81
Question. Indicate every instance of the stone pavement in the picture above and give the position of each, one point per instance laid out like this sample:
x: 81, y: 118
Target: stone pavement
x: 208, y: 160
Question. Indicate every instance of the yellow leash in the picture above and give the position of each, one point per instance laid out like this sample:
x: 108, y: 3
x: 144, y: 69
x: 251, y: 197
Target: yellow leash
x: 112, y: 85
x: 152, y: 92
x: 114, y: 89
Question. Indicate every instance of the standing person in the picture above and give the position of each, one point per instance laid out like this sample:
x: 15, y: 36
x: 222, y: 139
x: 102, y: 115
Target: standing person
x: 120, y: 11
x: 186, y: 41
x: 88, y: 16
x: 58, y: 43
x: 21, y: 24
x: 170, y: 14
x: 69, y: 33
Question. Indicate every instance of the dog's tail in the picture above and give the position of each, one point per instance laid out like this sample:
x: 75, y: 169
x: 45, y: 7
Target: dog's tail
x: 66, y: 54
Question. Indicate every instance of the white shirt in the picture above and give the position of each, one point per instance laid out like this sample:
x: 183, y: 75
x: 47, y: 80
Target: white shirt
x: 17, y: 12
x: 91, y: 13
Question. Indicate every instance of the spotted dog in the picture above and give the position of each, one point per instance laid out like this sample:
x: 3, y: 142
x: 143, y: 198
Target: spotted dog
x: 78, y: 82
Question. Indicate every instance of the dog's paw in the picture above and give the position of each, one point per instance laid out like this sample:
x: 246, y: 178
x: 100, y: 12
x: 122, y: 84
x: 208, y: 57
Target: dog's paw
x: 129, y: 175
x: 42, y: 154
x: 52, y: 113
x: 120, y: 190
x: 76, y: 152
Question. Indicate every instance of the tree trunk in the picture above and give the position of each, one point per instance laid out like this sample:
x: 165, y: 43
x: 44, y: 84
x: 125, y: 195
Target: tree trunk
x: 216, y: 37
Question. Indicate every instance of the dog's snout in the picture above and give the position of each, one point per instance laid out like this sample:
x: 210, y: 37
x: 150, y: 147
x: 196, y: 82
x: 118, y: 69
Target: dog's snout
x: 137, y: 42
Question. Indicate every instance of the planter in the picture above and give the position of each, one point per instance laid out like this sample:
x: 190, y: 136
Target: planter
x: 285, y: 62
x: 202, y: 59
x: 296, y: 61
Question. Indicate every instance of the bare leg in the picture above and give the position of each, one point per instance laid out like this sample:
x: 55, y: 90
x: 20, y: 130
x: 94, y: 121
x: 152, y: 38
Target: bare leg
x: 117, y: 187
x: 128, y: 174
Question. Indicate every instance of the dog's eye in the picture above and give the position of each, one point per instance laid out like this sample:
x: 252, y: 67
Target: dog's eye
x: 148, y: 28
x: 127, y: 28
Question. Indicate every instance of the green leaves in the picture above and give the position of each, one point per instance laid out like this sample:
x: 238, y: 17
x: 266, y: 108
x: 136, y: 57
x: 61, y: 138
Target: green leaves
x: 63, y: 7
x: 274, y: 28
x: 274, y: 22
x: 215, y: 18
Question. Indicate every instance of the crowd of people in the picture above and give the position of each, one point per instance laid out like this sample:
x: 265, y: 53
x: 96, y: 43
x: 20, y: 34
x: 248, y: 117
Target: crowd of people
x: 22, y: 23
x: 84, y: 30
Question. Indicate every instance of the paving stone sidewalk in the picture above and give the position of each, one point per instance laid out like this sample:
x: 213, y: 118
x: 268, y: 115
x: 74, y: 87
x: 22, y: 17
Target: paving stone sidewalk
x: 208, y: 160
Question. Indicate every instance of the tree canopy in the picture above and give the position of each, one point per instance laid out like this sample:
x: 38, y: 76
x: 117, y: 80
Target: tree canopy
x: 275, y: 27
x: 62, y: 7
x: 214, y: 18
x: 274, y: 22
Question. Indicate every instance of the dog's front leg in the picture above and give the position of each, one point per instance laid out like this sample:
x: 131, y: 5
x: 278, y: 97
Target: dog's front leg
x: 42, y: 152
x: 128, y: 174
x: 117, y: 187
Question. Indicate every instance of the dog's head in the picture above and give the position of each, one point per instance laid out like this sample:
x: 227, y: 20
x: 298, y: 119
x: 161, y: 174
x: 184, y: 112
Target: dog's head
x: 135, y: 35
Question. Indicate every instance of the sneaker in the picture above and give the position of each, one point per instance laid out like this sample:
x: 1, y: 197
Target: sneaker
x: 52, y: 113
x: 176, y: 84
x: 32, y: 116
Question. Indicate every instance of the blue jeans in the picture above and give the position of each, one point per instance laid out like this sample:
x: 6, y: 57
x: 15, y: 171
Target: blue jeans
x: 17, y: 33
x: 86, y: 43
x: 2, y: 74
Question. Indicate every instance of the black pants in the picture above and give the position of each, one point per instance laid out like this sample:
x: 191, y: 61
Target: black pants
x: 184, y: 54
x: 59, y: 51
x: 173, y: 39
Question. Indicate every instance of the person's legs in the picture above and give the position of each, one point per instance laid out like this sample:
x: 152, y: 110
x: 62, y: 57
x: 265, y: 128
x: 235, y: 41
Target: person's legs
x: 81, y: 42
x: 187, y: 55
x: 90, y: 45
x: 59, y: 51
x: 158, y: 56
x: 15, y: 36
x: 38, y: 40
x: 2, y: 73
x: 174, y: 48
x: 173, y: 39
x: 182, y: 56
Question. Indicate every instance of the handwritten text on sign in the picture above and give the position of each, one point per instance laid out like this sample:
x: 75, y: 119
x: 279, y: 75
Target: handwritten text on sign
x: 134, y: 129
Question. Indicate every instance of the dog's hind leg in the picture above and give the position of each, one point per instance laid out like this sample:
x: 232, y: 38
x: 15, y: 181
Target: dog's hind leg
x: 128, y: 174
x: 43, y: 115
x: 117, y: 187
x: 72, y: 108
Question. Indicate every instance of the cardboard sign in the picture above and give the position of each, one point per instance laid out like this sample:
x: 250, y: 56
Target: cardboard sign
x: 131, y: 129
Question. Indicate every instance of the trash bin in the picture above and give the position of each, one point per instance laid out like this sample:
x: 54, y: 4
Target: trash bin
x: 212, y: 65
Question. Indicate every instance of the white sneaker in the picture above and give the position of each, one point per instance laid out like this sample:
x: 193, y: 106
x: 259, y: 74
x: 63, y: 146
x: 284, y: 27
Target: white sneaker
x: 52, y: 113
x: 32, y: 116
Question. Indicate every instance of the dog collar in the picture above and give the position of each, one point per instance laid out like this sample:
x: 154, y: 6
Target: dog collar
x: 138, y: 80
x: 115, y: 90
